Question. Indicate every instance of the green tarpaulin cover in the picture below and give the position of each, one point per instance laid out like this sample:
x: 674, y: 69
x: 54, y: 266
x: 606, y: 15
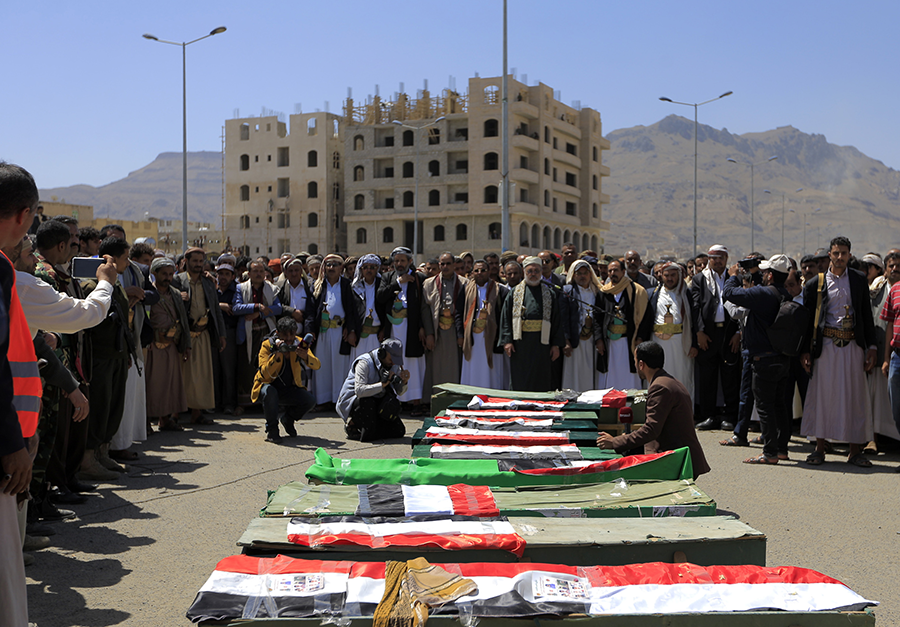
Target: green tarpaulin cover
x: 425, y: 471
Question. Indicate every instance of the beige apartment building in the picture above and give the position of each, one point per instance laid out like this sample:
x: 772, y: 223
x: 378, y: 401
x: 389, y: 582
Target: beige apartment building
x: 348, y: 182
x: 283, y: 189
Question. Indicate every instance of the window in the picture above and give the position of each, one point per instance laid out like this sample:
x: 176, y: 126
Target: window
x: 491, y: 128
x: 245, y: 192
x: 491, y: 95
x: 312, y: 220
x: 535, y: 236
x: 284, y: 220
x: 546, y: 134
x: 547, y: 236
x: 359, y: 173
x: 523, y: 162
x: 462, y: 232
x: 462, y: 166
x: 388, y: 141
x: 359, y: 202
x: 585, y: 242
x: 434, y: 168
x: 359, y: 143
x: 312, y: 190
x: 284, y: 157
x: 595, y: 182
x: 408, y: 199
x: 255, y: 158
x: 311, y: 126
x: 388, y: 202
x: 490, y: 194
x: 284, y: 188
x: 461, y: 197
x: 546, y: 198
x: 434, y: 136
x: 408, y: 170
x: 313, y: 249
x: 491, y: 161
x: 245, y: 162
x: 336, y: 191
x: 336, y: 160
x: 595, y: 152
x: 268, y: 157
x: 439, y: 233
x: 594, y: 210
x: 257, y: 219
x: 434, y: 198
x: 360, y: 236
x: 523, y: 235
x: 408, y: 138
x: 245, y: 132
x: 523, y: 194
x: 567, y: 236
x: 555, y: 144
x: 312, y: 159
x: 387, y: 235
x: 571, y: 181
x: 256, y: 189
x: 245, y: 222
x: 554, y: 175
x: 557, y: 239
x: 547, y: 167
x: 494, y: 230
x: 593, y: 242
x: 554, y: 205
x: 570, y: 148
x: 269, y: 189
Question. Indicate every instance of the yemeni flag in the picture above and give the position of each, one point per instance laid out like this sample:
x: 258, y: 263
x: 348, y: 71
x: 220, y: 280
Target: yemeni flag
x: 514, y: 422
x: 508, y: 438
x: 452, y: 533
x: 483, y: 401
x: 486, y: 451
x: 668, y: 466
x: 413, y: 500
x: 249, y: 587
x: 504, y: 413
x: 610, y: 397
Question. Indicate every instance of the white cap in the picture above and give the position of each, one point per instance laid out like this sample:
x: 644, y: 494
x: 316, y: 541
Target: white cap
x: 717, y: 250
x: 778, y: 263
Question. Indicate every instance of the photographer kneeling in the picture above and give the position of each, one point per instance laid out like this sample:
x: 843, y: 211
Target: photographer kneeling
x: 279, y: 386
x: 368, y: 401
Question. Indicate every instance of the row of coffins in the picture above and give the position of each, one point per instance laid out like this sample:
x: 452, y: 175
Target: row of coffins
x: 507, y: 512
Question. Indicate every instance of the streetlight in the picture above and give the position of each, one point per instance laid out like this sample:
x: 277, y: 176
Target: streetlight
x: 752, y: 198
x: 184, y: 45
x: 806, y: 224
x: 416, y: 198
x: 695, y: 105
x: 765, y: 191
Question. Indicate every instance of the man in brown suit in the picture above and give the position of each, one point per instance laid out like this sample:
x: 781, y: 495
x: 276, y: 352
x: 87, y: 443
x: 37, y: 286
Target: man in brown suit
x: 669, y: 423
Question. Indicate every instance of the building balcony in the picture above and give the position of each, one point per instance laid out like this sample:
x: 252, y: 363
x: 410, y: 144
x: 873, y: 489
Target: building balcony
x: 524, y: 175
x: 526, y: 142
x: 604, y: 170
x: 520, y: 107
x: 603, y: 143
x: 569, y: 159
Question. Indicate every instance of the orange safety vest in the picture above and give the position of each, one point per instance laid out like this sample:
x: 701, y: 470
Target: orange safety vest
x: 27, y: 386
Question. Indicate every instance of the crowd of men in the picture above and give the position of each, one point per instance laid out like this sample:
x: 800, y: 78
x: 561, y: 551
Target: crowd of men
x: 93, y: 362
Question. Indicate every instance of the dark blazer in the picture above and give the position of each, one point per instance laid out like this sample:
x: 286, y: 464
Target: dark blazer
x: 182, y: 282
x: 669, y: 423
x: 351, y: 312
x: 654, y: 303
x: 863, y: 324
x: 284, y: 297
x: 572, y: 316
x: 635, y: 328
x: 385, y: 296
x: 380, y: 308
x: 705, y: 304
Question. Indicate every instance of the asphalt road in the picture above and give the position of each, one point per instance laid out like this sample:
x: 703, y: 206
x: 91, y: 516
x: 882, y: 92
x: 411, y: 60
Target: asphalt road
x: 139, y: 550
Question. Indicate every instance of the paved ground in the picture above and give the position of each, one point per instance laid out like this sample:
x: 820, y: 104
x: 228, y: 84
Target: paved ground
x: 140, y: 550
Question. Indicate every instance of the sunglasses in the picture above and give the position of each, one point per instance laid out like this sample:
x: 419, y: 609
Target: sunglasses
x: 333, y: 264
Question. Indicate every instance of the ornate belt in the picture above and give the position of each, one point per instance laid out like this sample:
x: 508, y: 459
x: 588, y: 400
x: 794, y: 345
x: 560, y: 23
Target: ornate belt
x: 197, y: 329
x: 665, y: 331
x: 369, y: 330
x: 332, y: 323
x: 480, y: 322
x: 531, y: 326
x: 445, y: 320
x: 840, y: 337
x: 618, y: 329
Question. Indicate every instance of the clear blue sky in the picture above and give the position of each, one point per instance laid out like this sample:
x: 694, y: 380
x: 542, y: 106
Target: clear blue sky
x: 87, y: 100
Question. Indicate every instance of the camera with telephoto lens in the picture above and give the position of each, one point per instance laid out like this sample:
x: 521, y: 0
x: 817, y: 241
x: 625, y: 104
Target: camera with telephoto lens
x: 749, y: 263
x: 389, y: 377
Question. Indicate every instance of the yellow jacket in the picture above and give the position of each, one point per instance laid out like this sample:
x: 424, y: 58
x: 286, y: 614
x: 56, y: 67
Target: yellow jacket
x: 271, y: 364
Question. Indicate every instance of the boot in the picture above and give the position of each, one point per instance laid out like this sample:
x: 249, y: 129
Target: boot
x: 91, y: 470
x: 106, y: 461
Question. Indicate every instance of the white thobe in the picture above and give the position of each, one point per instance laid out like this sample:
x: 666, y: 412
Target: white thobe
x: 330, y: 376
x: 580, y: 370
x: 677, y: 363
x: 475, y: 371
x: 369, y: 343
x: 414, y: 365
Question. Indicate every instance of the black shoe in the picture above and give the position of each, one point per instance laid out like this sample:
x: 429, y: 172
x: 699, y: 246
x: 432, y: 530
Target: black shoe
x: 65, y: 496
x: 727, y: 426
x: 288, y: 425
x: 80, y: 486
x: 274, y: 438
x: 709, y: 424
x: 39, y: 529
x: 47, y: 511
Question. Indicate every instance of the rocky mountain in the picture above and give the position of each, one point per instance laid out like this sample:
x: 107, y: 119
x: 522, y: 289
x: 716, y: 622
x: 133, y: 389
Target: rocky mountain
x: 651, y: 191
x: 155, y: 189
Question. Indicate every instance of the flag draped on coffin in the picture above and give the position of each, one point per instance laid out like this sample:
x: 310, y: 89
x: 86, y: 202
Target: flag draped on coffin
x: 481, y: 401
x: 513, y: 421
x: 479, y: 436
x: 453, y: 533
x: 412, y: 500
x: 486, y: 451
x: 248, y: 587
x: 670, y: 465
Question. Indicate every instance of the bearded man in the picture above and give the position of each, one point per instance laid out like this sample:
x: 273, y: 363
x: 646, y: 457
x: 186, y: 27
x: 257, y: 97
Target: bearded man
x: 531, y: 331
x: 583, y: 339
x: 673, y: 312
x: 364, y: 286
x: 480, y: 308
x: 627, y: 321
x: 444, y: 344
x: 335, y: 324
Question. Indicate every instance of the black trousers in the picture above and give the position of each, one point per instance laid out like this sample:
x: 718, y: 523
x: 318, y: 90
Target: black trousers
x: 71, y: 439
x: 718, y: 361
x: 107, y: 400
x: 375, y: 418
x: 770, y: 379
x: 225, y: 371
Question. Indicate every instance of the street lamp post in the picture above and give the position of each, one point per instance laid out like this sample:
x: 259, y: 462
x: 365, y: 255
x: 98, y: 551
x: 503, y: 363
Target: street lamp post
x: 806, y: 224
x: 765, y: 191
x: 184, y: 45
x: 416, y: 198
x: 752, y: 197
x: 696, y: 105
